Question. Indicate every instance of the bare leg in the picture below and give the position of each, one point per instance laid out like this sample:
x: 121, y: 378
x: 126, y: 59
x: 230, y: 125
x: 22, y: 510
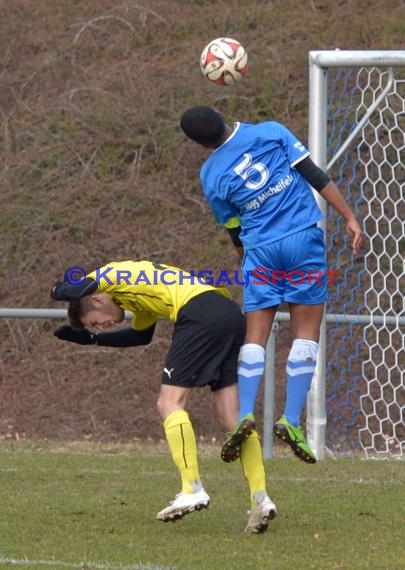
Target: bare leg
x: 306, y: 321
x: 227, y: 404
x: 171, y: 398
x: 258, y: 325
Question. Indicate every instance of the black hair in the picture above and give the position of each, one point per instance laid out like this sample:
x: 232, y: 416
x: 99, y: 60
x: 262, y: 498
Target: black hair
x: 77, y: 310
x: 203, y: 125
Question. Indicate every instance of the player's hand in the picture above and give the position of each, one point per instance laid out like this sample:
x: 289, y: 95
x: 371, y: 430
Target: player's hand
x: 355, y: 234
x: 82, y: 336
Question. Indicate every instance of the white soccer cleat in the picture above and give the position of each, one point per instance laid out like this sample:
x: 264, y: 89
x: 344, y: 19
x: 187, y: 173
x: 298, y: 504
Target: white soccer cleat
x: 183, y: 504
x: 261, y: 515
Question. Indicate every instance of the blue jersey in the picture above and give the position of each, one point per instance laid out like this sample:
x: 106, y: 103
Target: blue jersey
x: 252, y: 176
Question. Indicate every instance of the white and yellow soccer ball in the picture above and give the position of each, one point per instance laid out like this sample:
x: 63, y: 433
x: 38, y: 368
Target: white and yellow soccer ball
x: 224, y: 61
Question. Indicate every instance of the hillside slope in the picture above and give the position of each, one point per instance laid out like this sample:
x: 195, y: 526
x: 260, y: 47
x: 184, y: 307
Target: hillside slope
x: 94, y: 168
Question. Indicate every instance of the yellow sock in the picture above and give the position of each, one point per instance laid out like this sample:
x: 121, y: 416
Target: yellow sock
x: 181, y: 439
x: 251, y: 457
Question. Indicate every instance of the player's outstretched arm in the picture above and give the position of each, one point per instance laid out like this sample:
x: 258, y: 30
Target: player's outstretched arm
x: 320, y: 181
x: 122, y: 338
x: 333, y: 196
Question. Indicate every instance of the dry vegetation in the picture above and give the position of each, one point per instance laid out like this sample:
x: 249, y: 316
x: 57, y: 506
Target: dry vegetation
x: 95, y: 168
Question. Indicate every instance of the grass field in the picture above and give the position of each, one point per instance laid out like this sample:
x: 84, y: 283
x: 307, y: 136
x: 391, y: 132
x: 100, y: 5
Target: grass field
x: 83, y: 506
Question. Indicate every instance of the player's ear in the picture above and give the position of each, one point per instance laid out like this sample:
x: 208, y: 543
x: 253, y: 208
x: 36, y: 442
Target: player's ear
x: 101, y: 300
x: 98, y: 301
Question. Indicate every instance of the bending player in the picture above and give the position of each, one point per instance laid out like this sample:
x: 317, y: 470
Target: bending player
x: 208, y: 331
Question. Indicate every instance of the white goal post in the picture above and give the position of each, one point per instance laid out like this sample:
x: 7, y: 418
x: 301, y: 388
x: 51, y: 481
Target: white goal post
x: 357, y: 133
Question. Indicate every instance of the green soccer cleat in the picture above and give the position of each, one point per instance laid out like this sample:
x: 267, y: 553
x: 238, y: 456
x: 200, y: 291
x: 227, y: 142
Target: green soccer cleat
x: 231, y: 449
x: 294, y: 436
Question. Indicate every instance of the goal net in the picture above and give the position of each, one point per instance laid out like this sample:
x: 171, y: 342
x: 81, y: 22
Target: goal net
x: 357, y: 132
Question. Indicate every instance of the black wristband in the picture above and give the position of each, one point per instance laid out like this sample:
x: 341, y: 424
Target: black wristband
x: 234, y: 234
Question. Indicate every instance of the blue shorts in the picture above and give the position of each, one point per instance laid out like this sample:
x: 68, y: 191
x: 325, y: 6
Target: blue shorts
x: 290, y: 270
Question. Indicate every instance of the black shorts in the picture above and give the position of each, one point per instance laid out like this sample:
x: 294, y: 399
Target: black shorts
x: 207, y: 337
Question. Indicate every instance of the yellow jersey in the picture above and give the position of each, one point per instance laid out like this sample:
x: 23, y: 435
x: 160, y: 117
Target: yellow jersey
x: 150, y: 290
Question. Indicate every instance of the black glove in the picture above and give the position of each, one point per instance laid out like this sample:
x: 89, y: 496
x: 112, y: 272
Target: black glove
x: 64, y: 291
x: 82, y: 336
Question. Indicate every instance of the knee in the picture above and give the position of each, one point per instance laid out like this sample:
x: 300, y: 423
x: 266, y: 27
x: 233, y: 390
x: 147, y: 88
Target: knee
x: 162, y: 406
x: 222, y: 419
x: 303, y: 350
x: 229, y: 422
x: 228, y: 414
x: 165, y: 406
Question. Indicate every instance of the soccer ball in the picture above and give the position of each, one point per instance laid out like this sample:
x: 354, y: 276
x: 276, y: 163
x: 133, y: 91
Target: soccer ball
x: 224, y: 61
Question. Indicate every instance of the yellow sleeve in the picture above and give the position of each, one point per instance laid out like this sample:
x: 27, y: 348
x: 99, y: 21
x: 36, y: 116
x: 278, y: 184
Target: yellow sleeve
x: 232, y: 223
x: 142, y: 320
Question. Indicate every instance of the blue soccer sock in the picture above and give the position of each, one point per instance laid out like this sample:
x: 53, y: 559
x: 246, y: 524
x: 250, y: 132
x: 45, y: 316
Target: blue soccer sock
x: 250, y: 372
x: 300, y: 370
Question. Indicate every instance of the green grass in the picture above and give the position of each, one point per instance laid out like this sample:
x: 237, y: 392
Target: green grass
x: 93, y: 507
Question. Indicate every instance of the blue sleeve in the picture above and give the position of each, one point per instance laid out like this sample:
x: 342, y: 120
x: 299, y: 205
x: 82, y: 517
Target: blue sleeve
x: 294, y: 149
x: 221, y: 209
